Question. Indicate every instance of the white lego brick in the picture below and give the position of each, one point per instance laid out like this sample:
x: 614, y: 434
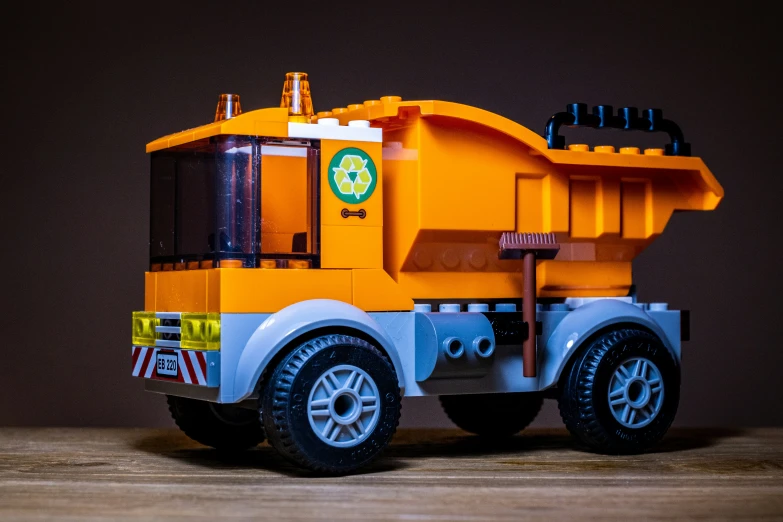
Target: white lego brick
x: 334, y: 132
x: 277, y: 150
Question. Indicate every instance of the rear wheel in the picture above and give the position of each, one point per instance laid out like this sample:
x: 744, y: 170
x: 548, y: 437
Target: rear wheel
x: 622, y: 392
x: 224, y: 427
x: 492, y: 415
x: 332, y: 405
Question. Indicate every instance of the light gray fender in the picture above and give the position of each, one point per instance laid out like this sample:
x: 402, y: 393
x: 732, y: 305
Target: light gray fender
x: 577, y: 327
x: 279, y: 329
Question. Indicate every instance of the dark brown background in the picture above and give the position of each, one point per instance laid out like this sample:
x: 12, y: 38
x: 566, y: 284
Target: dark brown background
x: 86, y: 87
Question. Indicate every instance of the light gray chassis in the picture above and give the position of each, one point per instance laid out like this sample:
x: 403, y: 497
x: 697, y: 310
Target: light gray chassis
x: 249, y: 342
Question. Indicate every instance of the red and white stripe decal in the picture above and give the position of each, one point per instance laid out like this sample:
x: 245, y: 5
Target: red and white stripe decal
x: 191, y: 365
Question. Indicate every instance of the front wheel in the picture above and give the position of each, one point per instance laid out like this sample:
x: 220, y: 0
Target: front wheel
x: 224, y: 427
x: 332, y: 405
x: 622, y: 392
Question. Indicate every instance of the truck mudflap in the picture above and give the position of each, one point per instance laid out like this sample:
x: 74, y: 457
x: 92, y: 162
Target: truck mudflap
x: 197, y: 367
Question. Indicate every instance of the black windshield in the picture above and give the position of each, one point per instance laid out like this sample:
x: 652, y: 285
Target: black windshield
x: 206, y: 203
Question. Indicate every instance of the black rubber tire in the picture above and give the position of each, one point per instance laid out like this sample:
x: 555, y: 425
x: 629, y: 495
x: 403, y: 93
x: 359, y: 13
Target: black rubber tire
x: 492, y: 415
x: 284, y: 404
x: 583, y: 401
x: 224, y: 427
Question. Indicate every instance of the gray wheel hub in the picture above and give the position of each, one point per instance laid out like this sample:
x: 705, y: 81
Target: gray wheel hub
x: 636, y: 392
x: 344, y: 406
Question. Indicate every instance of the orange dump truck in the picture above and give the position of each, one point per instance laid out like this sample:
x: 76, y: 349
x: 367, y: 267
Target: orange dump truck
x: 308, y: 270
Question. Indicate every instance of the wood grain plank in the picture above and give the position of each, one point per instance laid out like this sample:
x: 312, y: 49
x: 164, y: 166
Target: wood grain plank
x: 80, y: 473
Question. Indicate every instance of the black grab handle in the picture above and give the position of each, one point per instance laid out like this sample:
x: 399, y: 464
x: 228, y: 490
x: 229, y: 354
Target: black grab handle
x: 627, y: 118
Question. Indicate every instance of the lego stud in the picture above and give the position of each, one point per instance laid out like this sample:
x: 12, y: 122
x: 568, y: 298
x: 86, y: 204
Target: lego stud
x: 296, y: 97
x: 422, y: 259
x: 483, y: 347
x: 450, y: 258
x: 453, y: 347
x: 228, y: 106
x: 477, y: 259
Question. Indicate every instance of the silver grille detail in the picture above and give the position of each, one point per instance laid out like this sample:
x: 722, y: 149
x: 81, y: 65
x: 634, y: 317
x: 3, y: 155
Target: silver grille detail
x: 168, y: 333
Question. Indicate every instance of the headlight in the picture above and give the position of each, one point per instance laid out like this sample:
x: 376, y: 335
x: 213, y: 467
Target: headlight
x: 144, y: 324
x: 200, y: 331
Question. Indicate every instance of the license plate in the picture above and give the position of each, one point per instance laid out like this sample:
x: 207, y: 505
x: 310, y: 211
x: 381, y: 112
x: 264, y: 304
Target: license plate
x: 166, y: 364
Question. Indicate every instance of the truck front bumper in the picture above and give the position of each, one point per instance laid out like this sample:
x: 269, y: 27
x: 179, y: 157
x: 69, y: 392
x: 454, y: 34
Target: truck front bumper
x: 196, y: 367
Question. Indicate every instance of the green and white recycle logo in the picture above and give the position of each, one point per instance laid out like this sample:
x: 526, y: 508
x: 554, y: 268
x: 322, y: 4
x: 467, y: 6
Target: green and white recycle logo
x: 352, y: 175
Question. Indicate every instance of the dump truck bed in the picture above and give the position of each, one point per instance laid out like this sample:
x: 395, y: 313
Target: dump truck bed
x: 456, y: 177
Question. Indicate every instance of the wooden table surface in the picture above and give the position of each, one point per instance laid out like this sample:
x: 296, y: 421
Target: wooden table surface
x: 425, y: 475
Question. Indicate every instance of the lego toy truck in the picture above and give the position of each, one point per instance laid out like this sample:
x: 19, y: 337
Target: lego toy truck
x: 309, y: 270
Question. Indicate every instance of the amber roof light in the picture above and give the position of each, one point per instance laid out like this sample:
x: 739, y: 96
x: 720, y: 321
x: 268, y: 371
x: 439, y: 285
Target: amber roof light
x: 296, y: 97
x: 228, y: 106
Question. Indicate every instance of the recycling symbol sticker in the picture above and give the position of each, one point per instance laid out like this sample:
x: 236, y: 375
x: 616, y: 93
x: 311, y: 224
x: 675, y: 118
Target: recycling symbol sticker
x: 352, y: 175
